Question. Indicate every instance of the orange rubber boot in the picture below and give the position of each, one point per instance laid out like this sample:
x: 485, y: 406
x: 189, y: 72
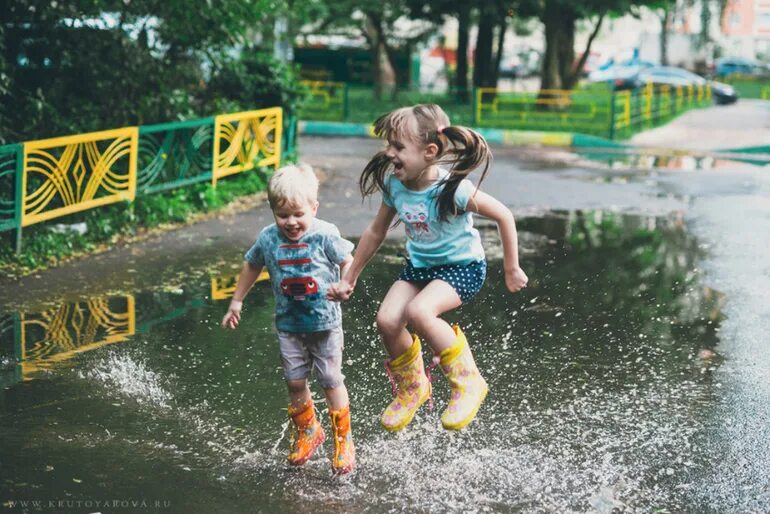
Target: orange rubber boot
x: 307, y: 434
x: 344, y: 459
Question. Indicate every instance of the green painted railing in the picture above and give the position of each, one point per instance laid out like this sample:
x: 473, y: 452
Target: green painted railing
x: 174, y: 154
x: 749, y: 87
x: 50, y: 178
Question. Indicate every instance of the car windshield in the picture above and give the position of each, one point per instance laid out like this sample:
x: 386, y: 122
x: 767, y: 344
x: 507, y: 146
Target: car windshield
x: 670, y: 75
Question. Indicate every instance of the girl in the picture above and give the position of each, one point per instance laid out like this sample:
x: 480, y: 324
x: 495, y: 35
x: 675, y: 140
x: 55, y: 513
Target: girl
x: 445, y: 265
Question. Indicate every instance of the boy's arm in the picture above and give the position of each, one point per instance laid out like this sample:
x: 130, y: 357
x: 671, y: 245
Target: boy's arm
x: 333, y: 293
x: 370, y: 242
x: 246, y: 279
x: 487, y: 206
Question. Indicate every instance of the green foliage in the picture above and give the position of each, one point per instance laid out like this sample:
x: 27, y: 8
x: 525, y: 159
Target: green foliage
x: 72, y: 67
x: 254, y: 80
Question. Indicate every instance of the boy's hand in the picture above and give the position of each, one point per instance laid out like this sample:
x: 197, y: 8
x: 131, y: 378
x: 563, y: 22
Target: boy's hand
x: 515, y: 279
x: 233, y: 316
x: 340, y: 292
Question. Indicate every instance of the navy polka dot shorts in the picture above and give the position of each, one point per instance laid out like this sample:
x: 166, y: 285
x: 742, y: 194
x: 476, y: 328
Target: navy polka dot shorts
x: 465, y: 279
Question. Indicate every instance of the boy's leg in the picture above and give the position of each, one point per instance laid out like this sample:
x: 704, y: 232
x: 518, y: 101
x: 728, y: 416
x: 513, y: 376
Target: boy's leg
x: 337, y: 397
x: 326, y: 352
x: 307, y: 434
x: 391, y: 317
x: 299, y: 393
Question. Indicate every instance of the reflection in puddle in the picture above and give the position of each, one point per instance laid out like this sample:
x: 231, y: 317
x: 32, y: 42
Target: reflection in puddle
x: 655, y: 159
x: 600, y: 378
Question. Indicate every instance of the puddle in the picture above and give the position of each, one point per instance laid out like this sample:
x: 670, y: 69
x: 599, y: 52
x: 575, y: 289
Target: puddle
x: 601, y: 373
x: 671, y: 160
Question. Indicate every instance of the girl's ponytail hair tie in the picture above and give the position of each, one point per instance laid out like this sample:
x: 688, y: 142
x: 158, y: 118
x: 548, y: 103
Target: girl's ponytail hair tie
x: 440, y: 129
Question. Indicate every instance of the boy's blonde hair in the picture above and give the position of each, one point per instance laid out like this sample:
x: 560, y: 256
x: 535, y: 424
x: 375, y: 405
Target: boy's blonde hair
x: 293, y: 184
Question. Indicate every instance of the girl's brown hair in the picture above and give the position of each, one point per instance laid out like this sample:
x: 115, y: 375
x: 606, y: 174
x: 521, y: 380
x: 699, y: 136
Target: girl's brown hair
x: 461, y: 148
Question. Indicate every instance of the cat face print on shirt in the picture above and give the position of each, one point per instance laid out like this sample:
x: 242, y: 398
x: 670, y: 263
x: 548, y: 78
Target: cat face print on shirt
x: 415, y: 217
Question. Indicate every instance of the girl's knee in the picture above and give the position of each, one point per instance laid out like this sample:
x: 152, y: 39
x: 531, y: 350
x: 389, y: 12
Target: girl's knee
x: 387, y: 323
x: 417, y: 313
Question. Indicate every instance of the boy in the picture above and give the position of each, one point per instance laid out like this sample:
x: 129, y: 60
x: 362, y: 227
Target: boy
x: 303, y: 256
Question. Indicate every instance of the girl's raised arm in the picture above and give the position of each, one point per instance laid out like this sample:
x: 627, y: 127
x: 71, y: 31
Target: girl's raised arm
x: 370, y: 242
x: 489, y: 207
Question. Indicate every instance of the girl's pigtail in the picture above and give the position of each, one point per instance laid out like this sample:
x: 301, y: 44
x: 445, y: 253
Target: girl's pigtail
x: 373, y: 177
x: 469, y: 150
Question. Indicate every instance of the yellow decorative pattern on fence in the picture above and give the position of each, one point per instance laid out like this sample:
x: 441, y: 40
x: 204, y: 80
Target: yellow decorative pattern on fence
x: 241, y: 138
x: 223, y: 288
x: 58, y: 334
x: 74, y: 173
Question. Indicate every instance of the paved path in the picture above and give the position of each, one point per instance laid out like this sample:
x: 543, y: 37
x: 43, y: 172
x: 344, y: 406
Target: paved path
x: 745, y: 123
x: 528, y: 180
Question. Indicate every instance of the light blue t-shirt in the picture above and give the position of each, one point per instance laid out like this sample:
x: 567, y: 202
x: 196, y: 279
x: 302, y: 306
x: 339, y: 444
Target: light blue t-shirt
x: 300, y: 274
x: 430, y: 241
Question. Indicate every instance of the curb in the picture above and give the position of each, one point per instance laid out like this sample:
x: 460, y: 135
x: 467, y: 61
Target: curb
x: 495, y: 136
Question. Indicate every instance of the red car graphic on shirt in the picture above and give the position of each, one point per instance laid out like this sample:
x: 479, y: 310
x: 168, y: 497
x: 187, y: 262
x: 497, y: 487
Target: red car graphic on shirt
x: 299, y: 287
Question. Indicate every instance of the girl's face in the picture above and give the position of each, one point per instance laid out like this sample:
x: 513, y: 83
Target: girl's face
x: 409, y: 158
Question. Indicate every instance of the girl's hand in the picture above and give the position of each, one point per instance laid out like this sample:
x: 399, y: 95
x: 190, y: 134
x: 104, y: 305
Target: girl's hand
x: 341, y: 291
x: 233, y: 316
x: 515, y: 279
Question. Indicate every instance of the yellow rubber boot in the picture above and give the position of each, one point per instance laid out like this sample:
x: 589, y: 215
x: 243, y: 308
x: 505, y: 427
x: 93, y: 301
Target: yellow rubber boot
x: 307, y: 435
x: 344, y: 459
x: 411, y: 388
x: 468, y: 387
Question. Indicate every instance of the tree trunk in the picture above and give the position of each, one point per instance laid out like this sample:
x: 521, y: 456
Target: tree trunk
x: 575, y: 69
x: 566, y: 51
x: 550, y: 77
x: 382, y: 72
x: 664, y: 22
x: 461, y: 75
x: 500, y: 44
x: 482, y: 70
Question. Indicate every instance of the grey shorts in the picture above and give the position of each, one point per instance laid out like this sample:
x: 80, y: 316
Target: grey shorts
x: 320, y: 352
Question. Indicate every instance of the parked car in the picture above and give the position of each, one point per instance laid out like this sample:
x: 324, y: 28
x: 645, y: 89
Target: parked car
x: 740, y: 66
x: 612, y: 70
x: 672, y: 76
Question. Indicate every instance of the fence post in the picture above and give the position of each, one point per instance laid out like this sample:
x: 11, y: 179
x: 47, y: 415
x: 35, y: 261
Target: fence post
x: 612, y: 115
x: 475, y: 106
x: 18, y: 204
x: 346, y: 106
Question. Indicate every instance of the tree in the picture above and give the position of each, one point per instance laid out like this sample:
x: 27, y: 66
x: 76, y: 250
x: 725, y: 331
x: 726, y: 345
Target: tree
x: 559, y: 17
x: 92, y: 64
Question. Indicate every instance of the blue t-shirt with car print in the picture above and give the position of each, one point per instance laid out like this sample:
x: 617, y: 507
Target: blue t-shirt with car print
x: 300, y: 274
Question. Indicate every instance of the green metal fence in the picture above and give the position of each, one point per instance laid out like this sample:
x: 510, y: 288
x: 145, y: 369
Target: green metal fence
x: 174, y: 154
x: 47, y: 179
x: 10, y: 166
x: 594, y: 110
x: 749, y: 87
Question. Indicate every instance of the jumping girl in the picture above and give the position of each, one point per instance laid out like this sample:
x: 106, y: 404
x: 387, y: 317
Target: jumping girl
x: 422, y: 177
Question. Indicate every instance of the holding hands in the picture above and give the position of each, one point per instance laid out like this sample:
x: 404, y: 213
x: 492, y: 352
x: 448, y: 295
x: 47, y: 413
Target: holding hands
x: 341, y: 291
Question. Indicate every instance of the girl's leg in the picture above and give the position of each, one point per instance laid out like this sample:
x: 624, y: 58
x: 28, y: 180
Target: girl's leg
x: 466, y: 383
x: 423, y: 311
x: 391, y: 318
x: 299, y: 394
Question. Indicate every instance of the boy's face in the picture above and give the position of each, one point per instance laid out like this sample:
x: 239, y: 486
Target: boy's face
x: 293, y: 218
